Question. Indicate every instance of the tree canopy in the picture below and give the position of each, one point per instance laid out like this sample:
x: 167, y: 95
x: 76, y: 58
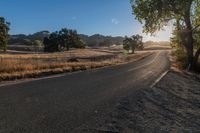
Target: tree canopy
x: 62, y: 40
x: 133, y: 42
x: 155, y: 14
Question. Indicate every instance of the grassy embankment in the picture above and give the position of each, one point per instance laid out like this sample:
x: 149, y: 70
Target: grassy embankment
x: 18, y: 66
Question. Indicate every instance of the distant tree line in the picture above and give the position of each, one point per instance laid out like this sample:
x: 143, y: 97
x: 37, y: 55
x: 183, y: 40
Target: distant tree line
x: 62, y: 40
x: 96, y: 40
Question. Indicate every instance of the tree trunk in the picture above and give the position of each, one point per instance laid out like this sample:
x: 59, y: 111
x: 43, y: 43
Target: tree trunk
x: 189, y: 38
x: 133, y: 49
x: 67, y: 47
x: 190, y: 50
x: 196, y: 58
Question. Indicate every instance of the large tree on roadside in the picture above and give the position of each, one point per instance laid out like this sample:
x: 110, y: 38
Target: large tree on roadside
x: 4, y: 28
x: 155, y: 14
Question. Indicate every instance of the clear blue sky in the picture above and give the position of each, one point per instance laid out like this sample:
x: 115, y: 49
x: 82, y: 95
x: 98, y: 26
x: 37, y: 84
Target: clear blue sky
x: 107, y: 17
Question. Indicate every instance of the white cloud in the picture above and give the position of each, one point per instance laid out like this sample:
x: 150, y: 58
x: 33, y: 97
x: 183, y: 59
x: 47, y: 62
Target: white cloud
x: 114, y: 21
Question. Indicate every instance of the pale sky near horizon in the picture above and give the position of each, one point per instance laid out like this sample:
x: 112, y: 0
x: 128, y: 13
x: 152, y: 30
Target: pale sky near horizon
x: 107, y: 17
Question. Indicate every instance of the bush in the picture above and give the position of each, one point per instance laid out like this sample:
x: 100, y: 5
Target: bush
x: 79, y: 44
x: 181, y: 57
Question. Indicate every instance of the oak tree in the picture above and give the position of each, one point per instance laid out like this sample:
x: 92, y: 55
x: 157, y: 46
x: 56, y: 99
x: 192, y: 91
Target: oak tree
x: 133, y: 42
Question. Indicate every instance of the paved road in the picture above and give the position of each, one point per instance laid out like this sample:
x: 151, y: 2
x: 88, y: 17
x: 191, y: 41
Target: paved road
x: 67, y: 103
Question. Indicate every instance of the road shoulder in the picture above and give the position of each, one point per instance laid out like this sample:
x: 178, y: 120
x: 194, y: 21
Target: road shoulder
x: 172, y: 105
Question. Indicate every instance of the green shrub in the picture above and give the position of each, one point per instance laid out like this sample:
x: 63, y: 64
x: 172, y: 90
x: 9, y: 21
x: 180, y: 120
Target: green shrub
x: 181, y: 57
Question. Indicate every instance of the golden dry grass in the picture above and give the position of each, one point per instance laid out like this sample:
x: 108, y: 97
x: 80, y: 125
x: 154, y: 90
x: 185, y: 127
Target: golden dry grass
x: 26, y: 66
x: 31, y: 68
x: 71, y: 53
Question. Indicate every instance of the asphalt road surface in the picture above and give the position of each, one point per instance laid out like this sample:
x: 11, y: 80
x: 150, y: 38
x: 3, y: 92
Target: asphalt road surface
x: 72, y: 101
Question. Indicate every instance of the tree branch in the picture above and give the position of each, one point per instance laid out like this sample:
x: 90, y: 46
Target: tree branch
x: 196, y: 27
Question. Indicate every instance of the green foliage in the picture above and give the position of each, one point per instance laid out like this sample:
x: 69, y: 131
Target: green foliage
x: 155, y: 14
x: 52, y: 43
x: 37, y: 45
x: 131, y: 43
x: 63, y: 40
x: 79, y: 44
x: 71, y: 39
x: 127, y: 43
x: 181, y: 56
x: 4, y: 28
x: 125, y: 52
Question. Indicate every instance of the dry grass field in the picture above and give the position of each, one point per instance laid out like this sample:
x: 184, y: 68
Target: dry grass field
x: 71, y: 53
x: 18, y: 66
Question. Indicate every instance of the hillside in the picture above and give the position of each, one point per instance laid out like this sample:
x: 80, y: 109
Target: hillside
x: 150, y: 45
x: 92, y: 41
x: 22, y: 39
x: 101, y: 40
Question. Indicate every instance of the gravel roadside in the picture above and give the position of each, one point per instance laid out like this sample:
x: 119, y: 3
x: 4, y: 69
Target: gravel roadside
x: 171, y: 106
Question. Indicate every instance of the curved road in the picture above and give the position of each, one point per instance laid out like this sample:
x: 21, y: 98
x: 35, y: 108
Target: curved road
x: 66, y: 103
